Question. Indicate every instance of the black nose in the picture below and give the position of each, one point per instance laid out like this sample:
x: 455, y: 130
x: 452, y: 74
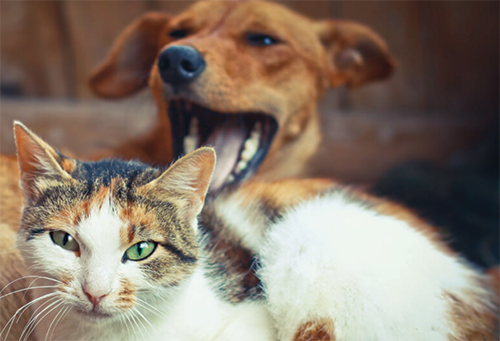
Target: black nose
x: 180, y: 64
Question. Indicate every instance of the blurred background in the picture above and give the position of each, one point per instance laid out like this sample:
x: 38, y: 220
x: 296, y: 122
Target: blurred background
x: 427, y: 137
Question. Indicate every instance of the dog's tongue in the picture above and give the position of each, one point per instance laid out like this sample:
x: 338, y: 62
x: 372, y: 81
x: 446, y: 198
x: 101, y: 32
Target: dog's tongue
x: 227, y: 141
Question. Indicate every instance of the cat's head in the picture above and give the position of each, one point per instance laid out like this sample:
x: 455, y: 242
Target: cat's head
x: 113, y: 235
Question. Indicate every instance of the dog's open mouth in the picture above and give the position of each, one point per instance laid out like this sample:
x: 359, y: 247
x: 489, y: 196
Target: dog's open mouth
x: 241, y: 140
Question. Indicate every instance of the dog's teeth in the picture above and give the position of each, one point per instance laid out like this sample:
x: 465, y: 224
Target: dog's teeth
x: 193, y: 127
x: 189, y: 144
x: 191, y: 139
x: 249, y: 150
x: 240, y: 166
x: 230, y: 178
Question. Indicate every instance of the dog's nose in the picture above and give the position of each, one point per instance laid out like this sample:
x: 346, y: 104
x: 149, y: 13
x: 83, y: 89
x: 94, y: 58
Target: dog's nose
x: 180, y: 64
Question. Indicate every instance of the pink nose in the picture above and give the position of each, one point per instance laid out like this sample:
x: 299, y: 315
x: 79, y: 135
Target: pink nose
x: 92, y: 298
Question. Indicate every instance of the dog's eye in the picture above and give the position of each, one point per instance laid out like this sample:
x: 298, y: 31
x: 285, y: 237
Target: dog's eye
x: 178, y: 34
x: 259, y: 39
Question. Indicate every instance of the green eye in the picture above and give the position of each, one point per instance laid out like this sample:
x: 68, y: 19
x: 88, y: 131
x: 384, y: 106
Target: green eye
x: 64, y: 240
x: 139, y: 251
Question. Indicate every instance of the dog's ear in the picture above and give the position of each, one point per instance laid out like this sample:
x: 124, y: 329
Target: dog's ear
x: 126, y: 68
x: 356, y: 54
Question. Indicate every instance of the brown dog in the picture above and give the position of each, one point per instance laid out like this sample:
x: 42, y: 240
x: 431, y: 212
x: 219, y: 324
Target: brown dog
x: 244, y: 77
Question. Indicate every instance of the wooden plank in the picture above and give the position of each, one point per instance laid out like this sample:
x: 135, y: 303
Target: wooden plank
x: 463, y: 70
x: 93, y: 26
x: 400, y: 26
x: 32, y: 54
x: 78, y: 128
x: 357, y: 147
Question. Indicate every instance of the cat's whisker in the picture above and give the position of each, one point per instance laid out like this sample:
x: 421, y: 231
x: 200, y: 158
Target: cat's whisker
x: 35, y: 314
x: 29, y: 286
x: 35, y: 321
x: 25, y: 289
x: 145, y: 319
x: 60, y: 319
x: 122, y: 321
x: 130, y: 322
x: 33, y: 302
x: 21, y: 311
x: 150, y: 307
x: 53, y: 321
x: 136, y: 321
x: 24, y: 277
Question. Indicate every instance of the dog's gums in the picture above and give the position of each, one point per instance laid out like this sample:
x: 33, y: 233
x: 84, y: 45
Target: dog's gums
x: 241, y: 140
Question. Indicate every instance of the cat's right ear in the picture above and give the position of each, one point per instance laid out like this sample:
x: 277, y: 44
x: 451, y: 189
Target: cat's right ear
x: 38, y: 161
x: 186, y: 182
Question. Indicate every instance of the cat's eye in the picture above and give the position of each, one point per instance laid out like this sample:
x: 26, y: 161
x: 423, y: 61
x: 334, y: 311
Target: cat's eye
x: 139, y: 251
x: 178, y: 34
x: 259, y: 39
x: 64, y: 240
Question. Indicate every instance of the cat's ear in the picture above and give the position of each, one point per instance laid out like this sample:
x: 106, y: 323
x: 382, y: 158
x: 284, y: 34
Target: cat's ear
x: 38, y: 161
x: 187, y: 180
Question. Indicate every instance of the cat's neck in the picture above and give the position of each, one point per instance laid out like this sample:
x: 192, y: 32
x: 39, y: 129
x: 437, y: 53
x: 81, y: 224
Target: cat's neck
x: 193, y: 311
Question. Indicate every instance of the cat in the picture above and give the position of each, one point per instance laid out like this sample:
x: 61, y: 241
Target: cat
x: 339, y: 264
x: 289, y: 260
x: 115, y: 252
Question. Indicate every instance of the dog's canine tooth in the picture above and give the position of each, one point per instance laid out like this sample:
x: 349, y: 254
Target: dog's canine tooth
x: 189, y: 144
x: 230, y: 178
x: 240, y: 166
x: 250, y: 148
x: 193, y: 127
x: 190, y: 140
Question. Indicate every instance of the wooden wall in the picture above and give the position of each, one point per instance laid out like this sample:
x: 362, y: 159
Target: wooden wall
x: 448, y: 51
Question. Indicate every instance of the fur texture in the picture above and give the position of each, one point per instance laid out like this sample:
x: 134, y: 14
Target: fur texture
x: 345, y: 266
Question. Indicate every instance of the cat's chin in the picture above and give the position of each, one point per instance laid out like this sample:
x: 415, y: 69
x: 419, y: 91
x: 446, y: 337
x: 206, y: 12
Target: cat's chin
x: 95, y: 317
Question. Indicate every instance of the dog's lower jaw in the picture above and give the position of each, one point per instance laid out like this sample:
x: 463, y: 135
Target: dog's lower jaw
x: 287, y: 159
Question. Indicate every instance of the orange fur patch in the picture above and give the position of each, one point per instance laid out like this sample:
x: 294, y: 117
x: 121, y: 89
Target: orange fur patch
x: 471, y: 323
x: 315, y: 331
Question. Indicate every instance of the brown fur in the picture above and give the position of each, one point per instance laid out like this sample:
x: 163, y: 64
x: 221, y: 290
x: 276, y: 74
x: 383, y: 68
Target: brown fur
x: 315, y: 331
x: 284, y: 81
x: 11, y: 263
x: 472, y: 323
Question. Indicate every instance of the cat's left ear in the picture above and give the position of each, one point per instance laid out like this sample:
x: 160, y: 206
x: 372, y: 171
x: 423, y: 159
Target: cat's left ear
x: 186, y: 181
x: 37, y: 161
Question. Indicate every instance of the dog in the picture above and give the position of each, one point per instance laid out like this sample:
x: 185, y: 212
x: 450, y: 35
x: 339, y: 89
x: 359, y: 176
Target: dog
x: 242, y: 76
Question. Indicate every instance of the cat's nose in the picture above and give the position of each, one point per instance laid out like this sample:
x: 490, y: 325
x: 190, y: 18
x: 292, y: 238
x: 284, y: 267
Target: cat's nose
x: 94, y: 297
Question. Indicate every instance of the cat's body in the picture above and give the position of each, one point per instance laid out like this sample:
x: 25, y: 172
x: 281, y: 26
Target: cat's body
x: 346, y: 266
x: 287, y: 260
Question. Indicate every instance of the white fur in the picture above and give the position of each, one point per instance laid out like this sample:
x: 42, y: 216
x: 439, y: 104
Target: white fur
x: 245, y: 220
x: 190, y: 311
x: 372, y: 276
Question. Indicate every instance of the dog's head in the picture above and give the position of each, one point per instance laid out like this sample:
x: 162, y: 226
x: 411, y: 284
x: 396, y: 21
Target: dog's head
x: 244, y: 76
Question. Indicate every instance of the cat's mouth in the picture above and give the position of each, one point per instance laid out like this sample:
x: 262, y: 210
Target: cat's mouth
x: 94, y: 315
x: 241, y: 140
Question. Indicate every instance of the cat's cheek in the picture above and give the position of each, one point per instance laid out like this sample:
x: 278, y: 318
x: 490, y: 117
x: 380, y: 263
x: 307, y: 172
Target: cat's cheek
x: 132, y: 272
x: 49, y: 258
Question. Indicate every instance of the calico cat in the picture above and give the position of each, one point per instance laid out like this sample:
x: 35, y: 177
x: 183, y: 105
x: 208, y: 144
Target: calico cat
x: 115, y: 252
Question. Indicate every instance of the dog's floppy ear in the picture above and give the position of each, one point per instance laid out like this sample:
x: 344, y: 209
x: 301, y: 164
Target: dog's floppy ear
x: 356, y: 54
x: 126, y: 68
